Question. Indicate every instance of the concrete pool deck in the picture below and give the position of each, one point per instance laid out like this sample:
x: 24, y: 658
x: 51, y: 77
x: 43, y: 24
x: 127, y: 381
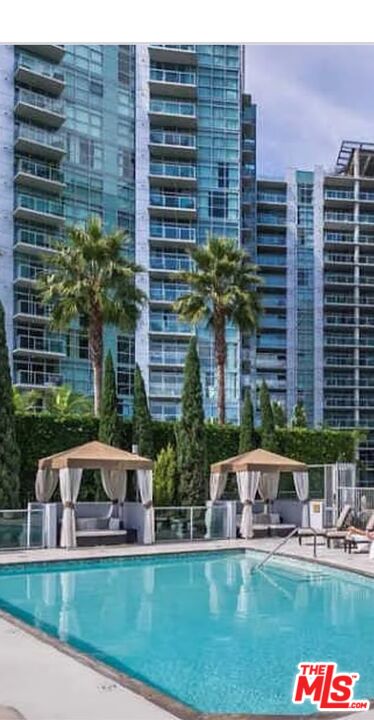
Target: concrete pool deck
x: 57, y: 686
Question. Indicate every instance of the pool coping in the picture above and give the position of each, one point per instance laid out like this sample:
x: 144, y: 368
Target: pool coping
x: 177, y: 708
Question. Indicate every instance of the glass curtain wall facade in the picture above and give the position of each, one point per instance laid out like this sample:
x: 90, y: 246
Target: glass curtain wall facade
x: 74, y: 119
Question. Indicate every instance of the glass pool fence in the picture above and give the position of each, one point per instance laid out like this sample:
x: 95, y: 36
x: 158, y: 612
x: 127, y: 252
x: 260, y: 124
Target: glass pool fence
x: 197, y: 522
x: 21, y: 529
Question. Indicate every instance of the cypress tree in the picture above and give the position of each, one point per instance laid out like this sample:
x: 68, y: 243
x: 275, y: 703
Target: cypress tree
x: 9, y: 451
x: 190, y: 433
x: 299, y: 419
x: 279, y: 414
x: 109, y: 429
x: 164, y: 474
x: 142, y: 421
x: 267, y: 418
x: 246, y: 440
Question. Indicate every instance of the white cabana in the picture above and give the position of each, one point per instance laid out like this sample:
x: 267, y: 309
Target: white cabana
x: 114, y: 464
x: 257, y: 470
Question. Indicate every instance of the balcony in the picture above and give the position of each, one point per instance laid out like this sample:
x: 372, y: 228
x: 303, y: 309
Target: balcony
x: 271, y: 198
x: 168, y: 324
x: 333, y: 217
x: 272, y: 240
x: 179, y: 113
x: 271, y: 219
x: 26, y: 274
x: 172, y: 204
x: 39, y: 175
x: 39, y: 209
x: 338, y: 279
x: 276, y: 262
x: 366, y: 219
x: 30, y: 140
x: 179, y: 233
x: 336, y: 237
x: 170, y: 263
x: 338, y: 320
x: 337, y: 340
x: 166, y: 389
x: 179, y: 54
x: 366, y: 279
x: 339, y: 258
x: 172, y: 144
x: 172, y: 174
x: 271, y: 363
x: 35, y: 379
x: 167, y: 357
x: 366, y: 259
x: 34, y: 241
x: 29, y: 309
x: 39, y: 345
x: 366, y: 196
x: 336, y: 299
x: 339, y: 194
x: 34, y: 107
x: 39, y: 74
x: 176, y: 83
x: 366, y: 239
x: 166, y: 293
x: 55, y: 53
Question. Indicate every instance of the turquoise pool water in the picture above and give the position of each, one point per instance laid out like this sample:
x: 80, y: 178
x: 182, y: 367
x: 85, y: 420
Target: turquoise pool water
x: 200, y: 627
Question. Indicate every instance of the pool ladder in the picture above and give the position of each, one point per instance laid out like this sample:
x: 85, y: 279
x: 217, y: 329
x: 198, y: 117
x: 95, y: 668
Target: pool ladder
x: 283, y: 542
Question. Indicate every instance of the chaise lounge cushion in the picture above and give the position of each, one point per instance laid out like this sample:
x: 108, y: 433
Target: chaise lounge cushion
x: 92, y: 523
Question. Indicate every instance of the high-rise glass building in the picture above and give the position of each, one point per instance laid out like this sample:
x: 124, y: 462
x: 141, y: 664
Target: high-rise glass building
x: 156, y: 139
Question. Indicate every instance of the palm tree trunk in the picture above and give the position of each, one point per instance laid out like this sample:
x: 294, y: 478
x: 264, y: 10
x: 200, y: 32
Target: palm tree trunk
x: 95, y: 341
x: 220, y: 353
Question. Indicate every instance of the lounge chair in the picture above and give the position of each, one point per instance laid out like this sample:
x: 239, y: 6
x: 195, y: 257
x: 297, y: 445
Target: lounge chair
x: 355, y: 540
x: 341, y: 521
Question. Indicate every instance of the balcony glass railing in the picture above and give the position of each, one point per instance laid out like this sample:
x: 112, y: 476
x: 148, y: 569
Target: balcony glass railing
x: 337, y: 216
x: 170, y: 323
x: 36, y: 238
x: 28, y: 272
x: 182, y: 202
x: 40, y: 344
x: 273, y: 302
x: 366, y: 300
x: 268, y: 219
x: 339, y: 360
x: 271, y: 197
x: 276, y: 281
x: 177, y: 77
x: 367, y: 279
x: 279, y: 240
x: 339, y: 299
x: 166, y: 137
x: 366, y: 218
x: 340, y: 381
x: 366, y: 259
x: 186, y: 48
x: 366, y: 195
x: 177, y: 170
x: 37, y: 378
x: 173, y: 231
x: 170, y: 262
x: 30, y: 307
x: 38, y: 135
x: 171, y: 357
x: 338, y: 237
x: 274, y: 341
x: 340, y: 340
x: 336, y: 278
x: 41, y: 67
x: 166, y: 389
x: 40, y: 170
x: 339, y: 258
x: 272, y: 260
x: 339, y: 194
x: 168, y: 292
x: 339, y: 320
x: 172, y: 107
x: 43, y: 102
x: 40, y: 204
x: 366, y: 239
x: 339, y: 402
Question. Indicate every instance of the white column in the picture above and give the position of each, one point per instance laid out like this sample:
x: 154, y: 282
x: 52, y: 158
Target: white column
x: 6, y: 187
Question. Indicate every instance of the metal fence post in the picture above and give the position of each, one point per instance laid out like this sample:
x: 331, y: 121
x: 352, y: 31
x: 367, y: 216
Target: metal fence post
x: 191, y: 522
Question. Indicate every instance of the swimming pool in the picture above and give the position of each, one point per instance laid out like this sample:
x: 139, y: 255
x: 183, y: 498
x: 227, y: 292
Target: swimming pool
x: 201, y: 628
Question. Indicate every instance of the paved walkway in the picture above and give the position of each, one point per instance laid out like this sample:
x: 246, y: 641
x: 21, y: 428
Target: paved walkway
x: 56, y: 686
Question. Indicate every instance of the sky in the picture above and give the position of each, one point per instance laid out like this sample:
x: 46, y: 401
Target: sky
x: 309, y: 98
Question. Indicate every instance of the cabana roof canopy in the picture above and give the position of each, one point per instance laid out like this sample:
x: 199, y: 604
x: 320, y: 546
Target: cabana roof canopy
x: 261, y: 460
x: 95, y: 455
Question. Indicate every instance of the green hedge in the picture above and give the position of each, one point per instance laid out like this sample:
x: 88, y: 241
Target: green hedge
x: 43, y: 434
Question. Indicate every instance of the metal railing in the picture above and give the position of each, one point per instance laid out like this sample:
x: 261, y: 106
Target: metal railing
x: 44, y: 102
x: 21, y: 529
x: 270, y: 554
x: 169, y: 137
x: 39, y: 135
x: 173, y: 107
x: 178, y: 77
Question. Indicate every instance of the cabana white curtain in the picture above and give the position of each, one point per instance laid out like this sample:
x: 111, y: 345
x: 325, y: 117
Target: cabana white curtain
x: 70, y: 481
x: 268, y: 486
x: 45, y: 484
x: 217, y: 485
x: 145, y: 485
x: 248, y: 481
x: 301, y: 481
x: 115, y: 485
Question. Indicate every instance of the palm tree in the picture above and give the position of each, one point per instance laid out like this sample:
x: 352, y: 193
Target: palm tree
x: 63, y: 401
x: 224, y: 288
x: 90, y: 277
x: 26, y: 402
